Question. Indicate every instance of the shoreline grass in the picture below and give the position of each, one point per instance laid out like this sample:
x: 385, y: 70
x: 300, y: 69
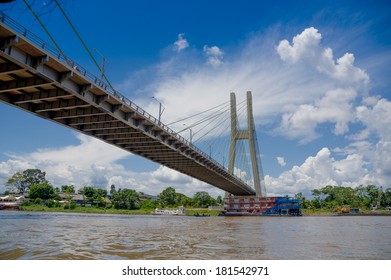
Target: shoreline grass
x: 95, y: 210
x: 188, y: 211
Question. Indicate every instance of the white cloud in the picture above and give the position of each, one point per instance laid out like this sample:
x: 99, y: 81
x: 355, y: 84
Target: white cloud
x: 377, y: 120
x: 335, y: 107
x: 83, y: 164
x: 306, y: 48
x: 186, y: 86
x: 214, y: 55
x: 366, y: 160
x: 318, y: 171
x: 93, y: 162
x: 281, y: 161
x: 304, y: 45
x: 181, y: 43
x: 376, y: 116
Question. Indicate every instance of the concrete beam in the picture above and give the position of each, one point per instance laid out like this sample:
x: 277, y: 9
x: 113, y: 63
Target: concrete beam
x: 104, y: 126
x: 114, y: 132
x: 130, y: 135
x: 90, y: 120
x: 8, y: 68
x: 42, y: 96
x: 9, y: 41
x: 61, y: 105
x: 78, y: 112
x: 22, y: 84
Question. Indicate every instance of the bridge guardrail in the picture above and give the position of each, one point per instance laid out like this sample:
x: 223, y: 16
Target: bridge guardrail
x: 97, y: 81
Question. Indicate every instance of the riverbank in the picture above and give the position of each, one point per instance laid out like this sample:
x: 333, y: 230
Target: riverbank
x: 306, y: 212
x: 94, y: 210
x: 188, y: 212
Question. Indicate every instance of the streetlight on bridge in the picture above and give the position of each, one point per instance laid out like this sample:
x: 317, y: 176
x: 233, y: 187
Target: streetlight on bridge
x: 102, y: 69
x: 160, y: 108
x: 191, y: 133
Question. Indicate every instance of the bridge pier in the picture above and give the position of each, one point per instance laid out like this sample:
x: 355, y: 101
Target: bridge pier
x: 246, y: 134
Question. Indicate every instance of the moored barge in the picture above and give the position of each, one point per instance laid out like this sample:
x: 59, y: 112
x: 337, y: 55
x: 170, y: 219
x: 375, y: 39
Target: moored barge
x: 261, y: 206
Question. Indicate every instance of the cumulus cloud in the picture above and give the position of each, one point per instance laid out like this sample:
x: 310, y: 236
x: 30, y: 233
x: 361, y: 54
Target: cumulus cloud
x: 318, y: 171
x: 83, y: 164
x: 365, y: 160
x: 306, y: 47
x: 181, y: 43
x: 335, y: 107
x: 214, y: 55
x: 376, y: 116
x: 95, y: 163
x: 281, y: 161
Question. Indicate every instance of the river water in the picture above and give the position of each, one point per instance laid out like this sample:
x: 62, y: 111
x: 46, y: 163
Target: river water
x: 32, y: 235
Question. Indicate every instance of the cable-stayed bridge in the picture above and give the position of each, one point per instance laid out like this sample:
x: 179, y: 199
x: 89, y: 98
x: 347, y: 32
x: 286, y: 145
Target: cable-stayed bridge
x: 39, y: 79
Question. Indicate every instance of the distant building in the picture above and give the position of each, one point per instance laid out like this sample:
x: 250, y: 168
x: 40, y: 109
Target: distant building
x: 354, y: 211
x: 148, y: 196
x: 78, y: 198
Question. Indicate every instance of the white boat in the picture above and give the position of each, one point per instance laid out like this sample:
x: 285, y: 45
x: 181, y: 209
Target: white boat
x: 179, y: 211
x: 10, y: 202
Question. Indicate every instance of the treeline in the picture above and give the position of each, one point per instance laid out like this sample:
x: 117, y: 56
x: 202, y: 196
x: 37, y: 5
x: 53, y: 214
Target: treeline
x: 40, y: 191
x: 334, y: 197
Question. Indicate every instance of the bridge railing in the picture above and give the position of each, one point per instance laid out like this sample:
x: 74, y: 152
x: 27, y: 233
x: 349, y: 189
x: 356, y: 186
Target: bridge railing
x: 94, y: 79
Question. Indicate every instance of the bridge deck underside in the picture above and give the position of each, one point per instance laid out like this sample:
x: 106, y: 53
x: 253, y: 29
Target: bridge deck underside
x: 36, y: 81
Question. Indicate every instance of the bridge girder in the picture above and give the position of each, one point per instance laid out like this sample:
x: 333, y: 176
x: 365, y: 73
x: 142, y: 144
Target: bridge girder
x: 41, y: 81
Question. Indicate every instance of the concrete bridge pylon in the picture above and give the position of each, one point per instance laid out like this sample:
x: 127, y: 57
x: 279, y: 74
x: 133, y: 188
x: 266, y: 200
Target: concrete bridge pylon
x: 246, y: 134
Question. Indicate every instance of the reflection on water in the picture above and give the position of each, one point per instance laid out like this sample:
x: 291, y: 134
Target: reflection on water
x: 88, y: 236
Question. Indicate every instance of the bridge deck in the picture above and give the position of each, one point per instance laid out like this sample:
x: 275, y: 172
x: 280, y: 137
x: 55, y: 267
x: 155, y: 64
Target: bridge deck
x: 36, y: 78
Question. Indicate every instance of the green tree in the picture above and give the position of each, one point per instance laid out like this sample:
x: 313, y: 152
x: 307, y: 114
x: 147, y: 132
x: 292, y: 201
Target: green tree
x: 38, y: 201
x: 168, y: 197
x: 182, y: 199
x: 16, y: 183
x: 89, y: 192
x: 68, y: 189
x: 126, y: 199
x: 203, y: 199
x: 22, y: 181
x: 34, y: 177
x: 219, y: 200
x: 368, y: 195
x: 149, y: 204
x: 386, y: 198
x: 49, y: 203
x: 100, y: 196
x: 112, y: 189
x: 43, y: 191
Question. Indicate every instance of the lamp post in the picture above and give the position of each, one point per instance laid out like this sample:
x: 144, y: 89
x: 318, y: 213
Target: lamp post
x: 191, y: 134
x: 222, y: 157
x: 160, y: 108
x: 102, y: 69
x: 210, y: 150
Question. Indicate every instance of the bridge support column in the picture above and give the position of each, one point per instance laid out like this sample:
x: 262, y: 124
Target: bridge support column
x: 248, y: 134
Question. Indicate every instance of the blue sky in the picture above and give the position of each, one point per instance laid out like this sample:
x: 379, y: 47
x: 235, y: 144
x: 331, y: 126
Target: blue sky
x: 318, y: 70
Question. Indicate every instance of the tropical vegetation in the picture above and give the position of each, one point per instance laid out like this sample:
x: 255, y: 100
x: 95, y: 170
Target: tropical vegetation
x: 332, y: 198
x: 42, y: 194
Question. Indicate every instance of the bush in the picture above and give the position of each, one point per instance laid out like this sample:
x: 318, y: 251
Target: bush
x: 73, y: 205
x: 26, y: 203
x: 49, y: 203
x: 38, y: 201
x: 66, y: 206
